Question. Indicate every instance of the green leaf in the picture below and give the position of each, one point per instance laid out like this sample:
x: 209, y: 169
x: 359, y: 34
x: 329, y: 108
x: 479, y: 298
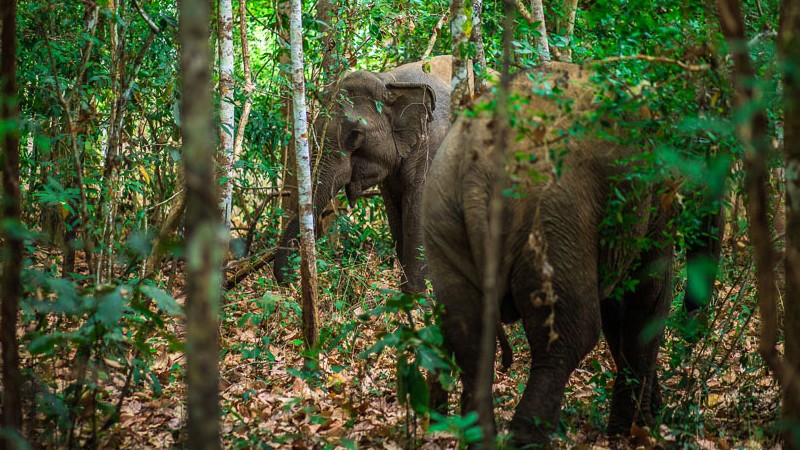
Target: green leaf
x: 44, y: 345
x: 163, y: 300
x: 111, y: 306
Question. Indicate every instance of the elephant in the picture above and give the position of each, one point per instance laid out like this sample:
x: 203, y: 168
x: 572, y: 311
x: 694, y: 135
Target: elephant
x: 562, y: 264
x: 383, y: 129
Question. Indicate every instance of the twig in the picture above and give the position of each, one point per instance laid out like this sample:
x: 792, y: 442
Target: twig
x: 435, y: 34
x: 153, y: 27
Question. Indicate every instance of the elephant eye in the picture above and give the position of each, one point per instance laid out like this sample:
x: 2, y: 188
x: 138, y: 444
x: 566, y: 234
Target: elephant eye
x: 354, y: 140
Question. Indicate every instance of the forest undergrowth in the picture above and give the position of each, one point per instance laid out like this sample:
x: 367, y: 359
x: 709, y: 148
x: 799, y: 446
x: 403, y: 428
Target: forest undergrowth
x: 717, y: 392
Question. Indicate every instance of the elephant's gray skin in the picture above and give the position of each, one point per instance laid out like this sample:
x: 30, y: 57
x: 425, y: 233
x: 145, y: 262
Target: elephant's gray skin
x: 383, y: 129
x: 565, y: 213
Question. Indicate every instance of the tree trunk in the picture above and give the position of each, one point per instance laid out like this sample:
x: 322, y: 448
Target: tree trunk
x: 789, y: 48
x: 753, y: 133
x: 289, y: 177
x: 248, y: 80
x: 479, y: 61
x: 12, y: 228
x: 225, y: 154
x: 203, y: 229
x: 330, y: 64
x: 460, y: 30
x: 541, y: 40
x: 308, y: 256
x: 491, y: 293
x: 568, y: 10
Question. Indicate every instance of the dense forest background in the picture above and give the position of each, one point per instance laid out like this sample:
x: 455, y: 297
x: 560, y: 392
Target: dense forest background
x: 104, y: 216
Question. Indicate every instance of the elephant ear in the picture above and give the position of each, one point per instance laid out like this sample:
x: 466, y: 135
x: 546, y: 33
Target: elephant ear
x: 411, y: 110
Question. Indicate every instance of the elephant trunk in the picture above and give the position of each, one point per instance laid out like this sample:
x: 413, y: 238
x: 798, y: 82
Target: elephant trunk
x: 289, y: 241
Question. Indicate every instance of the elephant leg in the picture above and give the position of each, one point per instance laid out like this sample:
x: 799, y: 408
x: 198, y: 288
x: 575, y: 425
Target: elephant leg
x: 628, y: 325
x: 394, y: 214
x: 576, y: 320
x: 411, y: 242
x: 438, y: 394
x: 462, y: 325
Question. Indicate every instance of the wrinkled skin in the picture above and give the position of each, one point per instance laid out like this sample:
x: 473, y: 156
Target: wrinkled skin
x: 383, y: 129
x: 566, y: 213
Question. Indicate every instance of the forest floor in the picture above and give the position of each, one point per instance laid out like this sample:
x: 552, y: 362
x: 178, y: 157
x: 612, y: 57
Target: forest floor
x: 717, y: 393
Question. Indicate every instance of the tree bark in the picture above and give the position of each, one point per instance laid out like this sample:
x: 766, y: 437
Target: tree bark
x: 330, y: 64
x: 12, y: 228
x: 204, y: 235
x: 491, y: 293
x: 460, y: 30
x: 753, y: 133
x: 789, y: 48
x: 225, y: 155
x: 568, y: 10
x: 479, y: 61
x: 308, y: 256
x: 248, y: 81
x: 541, y: 40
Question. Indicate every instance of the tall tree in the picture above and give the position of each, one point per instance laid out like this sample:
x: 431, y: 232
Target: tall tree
x: 248, y: 80
x: 566, y: 25
x: 11, y: 230
x: 476, y: 38
x: 460, y: 30
x: 491, y: 289
x: 789, y: 48
x: 330, y: 64
x: 203, y: 231
x: 752, y: 130
x: 225, y: 155
x: 308, y: 254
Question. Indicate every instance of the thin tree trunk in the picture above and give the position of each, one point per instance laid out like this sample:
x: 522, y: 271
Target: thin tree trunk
x: 123, y: 87
x: 479, y: 61
x: 491, y: 294
x: 789, y: 48
x: 541, y: 40
x: 568, y: 10
x: 12, y: 230
x: 225, y: 154
x: 204, y: 236
x: 308, y: 256
x: 460, y: 30
x: 325, y: 15
x: 753, y: 133
x: 248, y: 81
x: 289, y: 176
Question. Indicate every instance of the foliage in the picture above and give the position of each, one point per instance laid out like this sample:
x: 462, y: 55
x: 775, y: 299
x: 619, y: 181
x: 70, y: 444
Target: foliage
x: 103, y: 334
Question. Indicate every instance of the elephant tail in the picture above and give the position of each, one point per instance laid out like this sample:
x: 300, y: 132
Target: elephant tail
x: 506, y: 353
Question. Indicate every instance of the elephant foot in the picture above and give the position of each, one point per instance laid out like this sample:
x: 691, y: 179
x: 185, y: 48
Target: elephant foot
x: 621, y: 424
x: 438, y: 395
x: 528, y: 436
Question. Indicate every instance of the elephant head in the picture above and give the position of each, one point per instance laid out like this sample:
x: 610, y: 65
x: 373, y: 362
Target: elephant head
x: 374, y: 123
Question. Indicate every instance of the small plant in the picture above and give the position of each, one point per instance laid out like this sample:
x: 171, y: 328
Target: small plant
x: 418, y: 342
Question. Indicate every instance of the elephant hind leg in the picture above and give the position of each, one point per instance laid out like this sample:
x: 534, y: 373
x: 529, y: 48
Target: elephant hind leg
x: 633, y: 331
x: 462, y: 323
x: 577, y: 324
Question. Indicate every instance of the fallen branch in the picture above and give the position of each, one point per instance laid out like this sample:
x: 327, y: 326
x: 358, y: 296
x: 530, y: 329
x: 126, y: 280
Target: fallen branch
x: 255, y: 263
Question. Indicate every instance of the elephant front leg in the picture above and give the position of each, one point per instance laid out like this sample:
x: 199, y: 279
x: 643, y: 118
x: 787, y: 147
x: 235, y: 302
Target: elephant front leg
x: 410, y: 245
